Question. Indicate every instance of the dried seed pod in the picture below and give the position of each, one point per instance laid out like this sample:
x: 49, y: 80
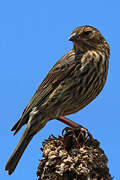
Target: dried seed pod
x: 73, y: 158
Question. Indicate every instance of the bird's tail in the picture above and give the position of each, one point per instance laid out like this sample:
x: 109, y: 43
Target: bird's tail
x: 20, y: 148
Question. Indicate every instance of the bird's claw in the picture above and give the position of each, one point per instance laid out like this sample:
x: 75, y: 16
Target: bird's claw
x: 75, y: 137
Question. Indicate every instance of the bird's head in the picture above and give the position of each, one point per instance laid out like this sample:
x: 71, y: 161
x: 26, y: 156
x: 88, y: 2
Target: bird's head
x: 88, y: 37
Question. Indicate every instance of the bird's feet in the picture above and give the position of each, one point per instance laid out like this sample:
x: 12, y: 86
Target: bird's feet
x: 75, y: 134
x: 75, y: 137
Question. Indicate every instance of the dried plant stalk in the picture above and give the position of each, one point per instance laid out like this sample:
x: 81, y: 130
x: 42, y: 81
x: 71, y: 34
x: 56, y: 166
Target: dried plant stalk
x: 73, y: 157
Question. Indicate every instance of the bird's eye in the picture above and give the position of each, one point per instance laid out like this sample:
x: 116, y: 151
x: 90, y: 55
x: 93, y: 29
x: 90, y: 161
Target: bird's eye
x: 87, y: 32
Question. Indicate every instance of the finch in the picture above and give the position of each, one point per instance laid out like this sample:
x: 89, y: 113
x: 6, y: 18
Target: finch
x: 73, y: 82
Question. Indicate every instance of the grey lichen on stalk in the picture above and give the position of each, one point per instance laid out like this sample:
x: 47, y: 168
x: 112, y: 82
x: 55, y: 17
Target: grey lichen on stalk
x: 72, y: 158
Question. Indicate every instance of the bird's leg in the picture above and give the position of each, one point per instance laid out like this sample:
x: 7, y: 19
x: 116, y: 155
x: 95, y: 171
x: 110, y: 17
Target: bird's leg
x: 69, y: 122
x: 74, y: 125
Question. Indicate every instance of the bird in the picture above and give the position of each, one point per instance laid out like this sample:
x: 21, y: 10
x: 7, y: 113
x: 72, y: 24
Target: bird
x: 72, y: 83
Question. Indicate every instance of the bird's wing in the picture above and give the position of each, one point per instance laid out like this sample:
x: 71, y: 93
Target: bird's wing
x: 59, y: 71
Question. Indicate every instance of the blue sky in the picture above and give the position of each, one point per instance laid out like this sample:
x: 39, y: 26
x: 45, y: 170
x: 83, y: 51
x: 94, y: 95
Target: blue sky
x: 33, y: 36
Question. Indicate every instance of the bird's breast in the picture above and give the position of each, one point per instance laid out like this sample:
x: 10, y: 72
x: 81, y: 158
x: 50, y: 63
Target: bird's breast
x: 80, y: 87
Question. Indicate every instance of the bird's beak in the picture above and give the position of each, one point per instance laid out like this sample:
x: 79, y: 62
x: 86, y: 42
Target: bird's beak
x: 72, y: 36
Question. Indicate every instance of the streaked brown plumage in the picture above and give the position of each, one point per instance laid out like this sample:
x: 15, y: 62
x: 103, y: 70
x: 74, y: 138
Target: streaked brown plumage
x: 73, y: 82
